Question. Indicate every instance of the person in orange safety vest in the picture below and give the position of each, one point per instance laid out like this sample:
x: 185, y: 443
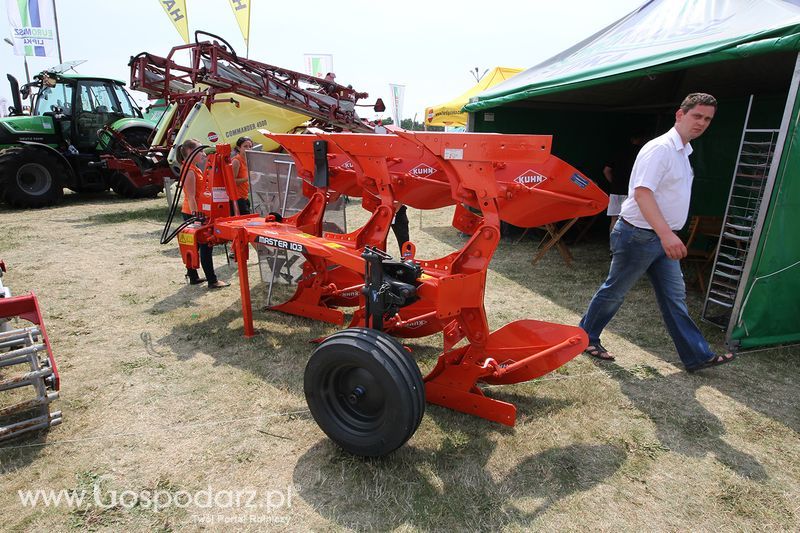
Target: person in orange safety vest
x: 193, y: 190
x: 240, y: 174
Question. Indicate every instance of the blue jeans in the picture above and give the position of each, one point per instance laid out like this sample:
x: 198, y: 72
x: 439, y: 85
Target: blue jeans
x: 634, y: 252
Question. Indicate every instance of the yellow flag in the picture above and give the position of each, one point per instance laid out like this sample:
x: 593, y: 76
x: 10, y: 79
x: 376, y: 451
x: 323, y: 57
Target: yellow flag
x: 241, y: 9
x: 176, y: 11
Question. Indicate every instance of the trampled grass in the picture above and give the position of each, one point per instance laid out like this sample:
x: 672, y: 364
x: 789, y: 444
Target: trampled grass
x: 161, y: 394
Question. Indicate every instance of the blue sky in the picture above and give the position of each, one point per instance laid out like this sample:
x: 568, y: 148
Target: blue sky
x: 428, y: 46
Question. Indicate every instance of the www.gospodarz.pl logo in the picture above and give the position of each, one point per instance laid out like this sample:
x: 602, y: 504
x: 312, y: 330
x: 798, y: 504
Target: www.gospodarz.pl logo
x: 251, y: 499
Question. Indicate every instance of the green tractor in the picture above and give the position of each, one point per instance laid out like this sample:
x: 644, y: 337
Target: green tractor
x: 76, y: 124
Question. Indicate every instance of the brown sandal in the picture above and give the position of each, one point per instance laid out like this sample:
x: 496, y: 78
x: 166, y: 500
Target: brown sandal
x: 714, y: 361
x: 597, y: 350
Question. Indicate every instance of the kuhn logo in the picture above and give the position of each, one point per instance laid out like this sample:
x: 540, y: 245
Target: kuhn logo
x: 350, y: 294
x: 422, y: 170
x: 213, y: 137
x: 347, y: 165
x: 530, y: 177
x: 416, y: 324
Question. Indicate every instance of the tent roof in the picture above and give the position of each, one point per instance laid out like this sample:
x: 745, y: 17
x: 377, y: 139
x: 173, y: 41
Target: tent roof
x: 450, y: 114
x: 659, y: 36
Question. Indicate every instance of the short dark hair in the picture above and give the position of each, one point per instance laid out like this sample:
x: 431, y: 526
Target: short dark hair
x: 695, y: 99
x: 241, y: 140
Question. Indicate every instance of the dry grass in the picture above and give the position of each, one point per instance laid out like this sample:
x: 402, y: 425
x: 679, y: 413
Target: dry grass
x: 160, y: 392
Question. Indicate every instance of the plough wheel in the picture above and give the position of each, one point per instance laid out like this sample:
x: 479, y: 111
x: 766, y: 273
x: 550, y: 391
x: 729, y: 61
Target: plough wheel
x: 364, y: 391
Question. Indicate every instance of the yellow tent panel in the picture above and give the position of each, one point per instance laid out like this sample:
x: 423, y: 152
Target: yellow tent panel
x: 450, y: 114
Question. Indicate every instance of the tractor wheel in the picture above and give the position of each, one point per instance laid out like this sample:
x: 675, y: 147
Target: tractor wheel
x: 122, y: 186
x: 138, y: 138
x: 31, y: 177
x: 364, y: 391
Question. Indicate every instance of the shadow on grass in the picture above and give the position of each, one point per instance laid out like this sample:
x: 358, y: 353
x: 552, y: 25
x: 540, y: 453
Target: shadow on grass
x: 274, y: 354
x: 766, y: 382
x: 765, y: 386
x: 85, y: 199
x: 683, y: 424
x: 185, y: 296
x: 451, y: 487
x: 94, y: 198
x: 448, y: 489
x: 150, y: 213
x: 21, y: 451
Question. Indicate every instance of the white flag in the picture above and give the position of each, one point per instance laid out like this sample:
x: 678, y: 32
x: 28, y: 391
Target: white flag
x: 318, y: 64
x: 398, y: 92
x: 33, y: 27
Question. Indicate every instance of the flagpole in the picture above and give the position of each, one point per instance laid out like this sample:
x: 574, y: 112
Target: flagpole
x: 247, y: 41
x: 58, y: 37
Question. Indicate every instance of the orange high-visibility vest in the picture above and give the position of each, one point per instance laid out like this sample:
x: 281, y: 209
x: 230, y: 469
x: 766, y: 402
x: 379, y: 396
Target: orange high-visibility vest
x: 199, y: 186
x: 242, y: 188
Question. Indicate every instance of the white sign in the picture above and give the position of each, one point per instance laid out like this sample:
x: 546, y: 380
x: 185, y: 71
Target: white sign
x: 398, y: 93
x: 219, y: 194
x: 33, y: 27
x: 318, y: 65
x: 454, y: 153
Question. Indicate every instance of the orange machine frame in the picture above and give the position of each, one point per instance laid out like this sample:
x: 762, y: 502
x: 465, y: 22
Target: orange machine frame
x: 505, y: 177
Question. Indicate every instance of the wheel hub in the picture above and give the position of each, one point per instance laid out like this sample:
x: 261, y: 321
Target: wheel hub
x: 351, y: 385
x: 356, y: 395
x: 34, y: 179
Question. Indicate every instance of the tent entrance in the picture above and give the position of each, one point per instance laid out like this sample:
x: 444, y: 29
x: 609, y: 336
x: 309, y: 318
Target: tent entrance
x: 589, y: 121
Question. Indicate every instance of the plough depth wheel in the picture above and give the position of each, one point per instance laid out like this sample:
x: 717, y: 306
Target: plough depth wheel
x: 364, y: 391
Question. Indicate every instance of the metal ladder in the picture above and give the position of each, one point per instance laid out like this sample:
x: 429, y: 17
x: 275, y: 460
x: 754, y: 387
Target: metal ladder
x: 26, y: 364
x: 756, y: 152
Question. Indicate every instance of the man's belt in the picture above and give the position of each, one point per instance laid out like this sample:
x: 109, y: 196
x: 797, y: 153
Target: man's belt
x: 637, y: 227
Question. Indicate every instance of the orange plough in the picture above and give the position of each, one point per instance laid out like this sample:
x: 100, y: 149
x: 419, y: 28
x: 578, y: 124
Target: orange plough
x: 362, y: 386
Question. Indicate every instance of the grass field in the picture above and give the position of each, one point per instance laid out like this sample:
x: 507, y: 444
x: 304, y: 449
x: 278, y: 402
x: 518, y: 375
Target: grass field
x: 162, y: 396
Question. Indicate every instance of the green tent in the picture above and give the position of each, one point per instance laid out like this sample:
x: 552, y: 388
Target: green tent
x: 632, y: 75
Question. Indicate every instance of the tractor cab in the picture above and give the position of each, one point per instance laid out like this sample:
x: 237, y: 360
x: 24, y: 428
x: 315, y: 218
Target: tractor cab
x: 81, y: 106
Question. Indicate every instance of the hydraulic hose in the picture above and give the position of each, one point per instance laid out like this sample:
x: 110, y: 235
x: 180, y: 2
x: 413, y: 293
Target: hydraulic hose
x: 166, y: 236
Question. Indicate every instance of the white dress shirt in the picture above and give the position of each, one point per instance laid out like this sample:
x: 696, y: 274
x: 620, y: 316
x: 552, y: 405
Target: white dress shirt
x: 663, y: 167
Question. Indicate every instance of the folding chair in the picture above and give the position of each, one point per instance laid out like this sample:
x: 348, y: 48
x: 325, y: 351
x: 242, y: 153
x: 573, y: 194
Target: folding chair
x: 701, y: 246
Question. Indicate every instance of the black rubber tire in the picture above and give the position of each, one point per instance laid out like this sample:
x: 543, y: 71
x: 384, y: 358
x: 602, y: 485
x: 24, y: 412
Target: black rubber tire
x: 364, y: 391
x: 138, y: 137
x: 121, y: 185
x: 31, y: 177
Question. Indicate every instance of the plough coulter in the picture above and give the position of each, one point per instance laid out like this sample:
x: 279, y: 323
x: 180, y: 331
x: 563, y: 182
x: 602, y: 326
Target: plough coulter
x: 362, y: 386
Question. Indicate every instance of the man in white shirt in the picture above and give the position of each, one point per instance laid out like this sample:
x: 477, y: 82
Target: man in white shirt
x: 644, y: 240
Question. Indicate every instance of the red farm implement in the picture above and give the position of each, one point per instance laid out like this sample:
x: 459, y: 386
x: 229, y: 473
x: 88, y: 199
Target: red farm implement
x: 28, y: 372
x: 362, y: 386
x: 208, y: 74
